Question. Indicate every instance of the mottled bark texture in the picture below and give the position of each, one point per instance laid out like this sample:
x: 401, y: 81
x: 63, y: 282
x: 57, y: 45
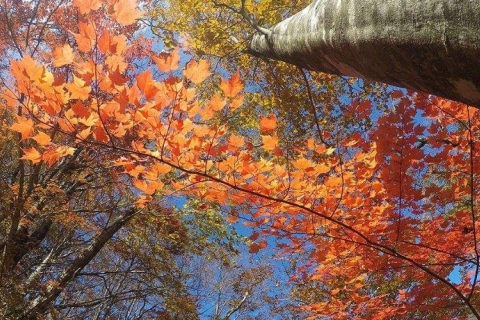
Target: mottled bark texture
x: 431, y: 46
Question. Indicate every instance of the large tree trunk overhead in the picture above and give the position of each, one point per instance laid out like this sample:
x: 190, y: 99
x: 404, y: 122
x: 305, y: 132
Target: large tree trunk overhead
x: 431, y: 46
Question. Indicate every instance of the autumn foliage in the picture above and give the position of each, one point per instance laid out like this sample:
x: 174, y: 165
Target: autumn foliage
x: 383, y: 217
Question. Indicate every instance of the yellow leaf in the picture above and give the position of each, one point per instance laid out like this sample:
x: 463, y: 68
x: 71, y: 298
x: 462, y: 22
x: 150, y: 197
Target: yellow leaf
x: 330, y: 151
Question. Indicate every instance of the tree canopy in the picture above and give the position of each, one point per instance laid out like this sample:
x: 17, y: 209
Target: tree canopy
x: 153, y: 168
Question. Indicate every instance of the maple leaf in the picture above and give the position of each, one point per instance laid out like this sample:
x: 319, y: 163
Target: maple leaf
x: 146, y: 84
x: 167, y: 62
x: 112, y: 45
x: 162, y: 168
x: 64, y: 151
x: 116, y: 62
x: 236, y: 141
x: 100, y: 134
x: 125, y: 12
x: 84, y: 133
x: 62, y: 55
x: 85, y: 6
x: 24, y: 126
x: 217, y: 103
x: 42, y: 138
x: 197, y: 72
x: 78, y: 89
x: 268, y: 123
x: 86, y: 38
x: 233, y: 86
x: 270, y: 142
x: 28, y: 67
x: 31, y: 154
x: 256, y: 247
x: 143, y: 201
x: 303, y: 164
x: 80, y: 110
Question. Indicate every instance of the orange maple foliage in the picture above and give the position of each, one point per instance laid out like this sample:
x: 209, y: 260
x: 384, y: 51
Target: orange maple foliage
x: 384, y: 217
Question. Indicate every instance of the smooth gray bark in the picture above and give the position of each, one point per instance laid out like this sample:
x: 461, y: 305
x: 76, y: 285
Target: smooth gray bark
x: 431, y: 46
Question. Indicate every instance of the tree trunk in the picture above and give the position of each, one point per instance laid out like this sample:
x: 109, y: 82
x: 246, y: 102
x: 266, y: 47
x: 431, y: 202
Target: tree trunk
x: 432, y: 46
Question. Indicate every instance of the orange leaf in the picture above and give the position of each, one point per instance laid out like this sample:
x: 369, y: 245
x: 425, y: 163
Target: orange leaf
x: 217, y: 103
x: 42, y: 139
x: 62, y: 55
x: 27, y: 67
x: 31, y: 154
x: 167, y: 61
x: 65, y: 125
x: 268, y: 124
x: 116, y: 62
x: 233, y: 86
x: 125, y: 12
x: 236, y: 141
x: 302, y: 164
x: 90, y: 121
x: 51, y: 156
x: 146, y: 84
x: 78, y: 89
x: 86, y: 38
x: 143, y: 201
x: 84, y: 134
x: 197, y: 72
x: 24, y: 126
x: 112, y: 45
x: 270, y: 142
x: 85, y: 6
x: 161, y: 168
